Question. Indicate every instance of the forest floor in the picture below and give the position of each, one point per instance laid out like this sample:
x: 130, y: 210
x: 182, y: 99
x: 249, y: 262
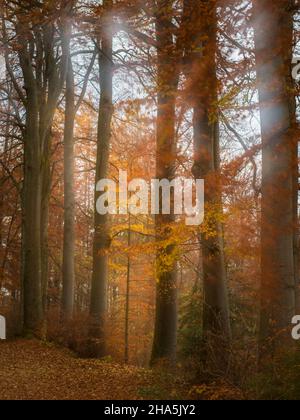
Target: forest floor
x: 31, y: 370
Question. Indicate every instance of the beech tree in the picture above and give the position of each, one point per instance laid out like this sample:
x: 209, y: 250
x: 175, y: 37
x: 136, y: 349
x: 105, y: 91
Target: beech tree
x: 165, y: 333
x: 69, y: 196
x: 273, y: 24
x: 102, y: 239
x: 203, y: 92
x: 71, y: 109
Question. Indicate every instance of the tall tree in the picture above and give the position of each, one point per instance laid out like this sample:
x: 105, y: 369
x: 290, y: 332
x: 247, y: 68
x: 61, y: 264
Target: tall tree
x: 69, y: 197
x: 127, y: 304
x: 165, y: 334
x: 101, y: 233
x: 71, y: 109
x: 203, y: 92
x: 273, y: 24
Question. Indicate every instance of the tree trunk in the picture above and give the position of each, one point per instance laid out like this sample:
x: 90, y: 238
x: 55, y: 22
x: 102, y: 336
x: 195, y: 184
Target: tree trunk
x: 69, y: 200
x: 204, y: 96
x: 31, y: 242
x: 127, y: 307
x: 165, y: 334
x: 43, y: 86
x: 273, y: 45
x: 101, y: 241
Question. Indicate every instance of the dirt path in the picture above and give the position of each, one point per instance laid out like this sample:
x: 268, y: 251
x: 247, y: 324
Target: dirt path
x: 33, y: 370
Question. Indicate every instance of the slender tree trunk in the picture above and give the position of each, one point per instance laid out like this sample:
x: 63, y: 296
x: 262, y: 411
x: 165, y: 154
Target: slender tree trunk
x: 6, y: 156
x: 46, y: 189
x: 101, y: 241
x: 127, y: 307
x: 273, y: 43
x: 69, y: 193
x: 204, y: 95
x: 69, y: 199
x: 165, y: 334
x: 32, y: 191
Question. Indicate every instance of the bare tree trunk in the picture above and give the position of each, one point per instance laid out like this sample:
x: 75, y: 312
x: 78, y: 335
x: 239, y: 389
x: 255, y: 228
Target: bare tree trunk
x: 69, y: 199
x: 101, y: 235
x: 68, y: 295
x: 127, y: 307
x: 273, y: 42
x: 5, y: 158
x: 165, y: 334
x: 46, y: 189
x: 32, y: 193
x: 204, y: 96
